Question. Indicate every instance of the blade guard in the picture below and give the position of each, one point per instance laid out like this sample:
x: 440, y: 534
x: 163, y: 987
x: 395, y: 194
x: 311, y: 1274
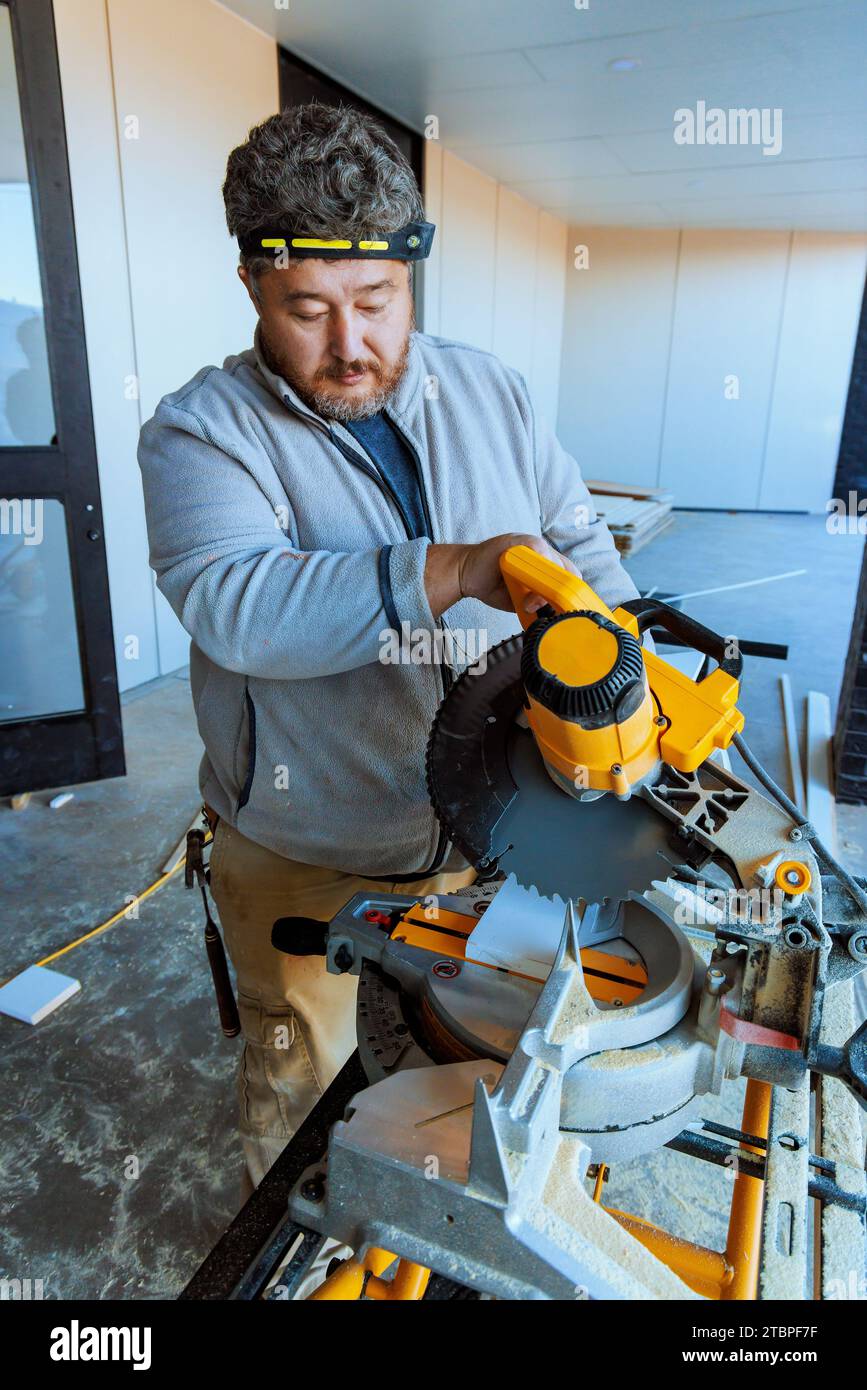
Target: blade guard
x: 701, y: 715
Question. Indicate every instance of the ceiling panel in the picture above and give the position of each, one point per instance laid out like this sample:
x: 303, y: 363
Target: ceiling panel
x: 443, y: 28
x: 804, y: 137
x: 550, y: 159
x: 469, y: 73
x: 826, y: 175
x: 527, y: 94
x: 818, y: 36
x: 590, y: 214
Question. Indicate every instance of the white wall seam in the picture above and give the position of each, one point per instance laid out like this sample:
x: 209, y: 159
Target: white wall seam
x: 129, y: 294
x: 672, y: 312
x: 775, y: 370
x: 537, y: 285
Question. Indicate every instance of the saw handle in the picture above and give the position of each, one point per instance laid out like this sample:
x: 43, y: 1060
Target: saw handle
x: 652, y: 612
x: 299, y: 936
x: 527, y: 572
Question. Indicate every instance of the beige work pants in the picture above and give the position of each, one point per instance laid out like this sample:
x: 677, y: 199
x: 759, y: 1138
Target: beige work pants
x: 298, y: 1022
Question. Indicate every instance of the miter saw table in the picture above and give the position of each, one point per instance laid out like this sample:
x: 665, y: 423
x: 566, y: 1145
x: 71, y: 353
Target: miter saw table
x: 646, y: 928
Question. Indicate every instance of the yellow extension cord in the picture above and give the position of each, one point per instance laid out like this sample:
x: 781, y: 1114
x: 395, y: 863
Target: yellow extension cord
x: 124, y: 912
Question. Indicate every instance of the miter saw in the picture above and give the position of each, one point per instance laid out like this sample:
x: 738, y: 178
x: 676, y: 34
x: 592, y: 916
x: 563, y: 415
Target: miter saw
x: 645, y: 928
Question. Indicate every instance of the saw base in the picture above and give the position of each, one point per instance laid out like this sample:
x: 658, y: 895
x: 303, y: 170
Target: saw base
x: 644, y: 979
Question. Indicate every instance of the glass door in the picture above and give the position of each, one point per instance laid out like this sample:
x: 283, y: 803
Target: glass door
x: 59, y: 706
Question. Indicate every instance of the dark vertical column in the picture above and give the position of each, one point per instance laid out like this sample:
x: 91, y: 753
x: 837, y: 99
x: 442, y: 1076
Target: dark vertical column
x: 852, y: 459
x: 850, y: 736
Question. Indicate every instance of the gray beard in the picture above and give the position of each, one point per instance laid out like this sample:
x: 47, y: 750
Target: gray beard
x: 346, y: 411
x: 331, y: 408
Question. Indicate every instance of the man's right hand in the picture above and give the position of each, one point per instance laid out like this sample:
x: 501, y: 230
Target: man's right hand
x: 453, y: 572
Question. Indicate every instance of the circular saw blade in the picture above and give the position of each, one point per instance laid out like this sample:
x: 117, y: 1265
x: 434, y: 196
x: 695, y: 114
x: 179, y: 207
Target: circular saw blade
x: 491, y: 792
x: 468, y: 777
x: 597, y: 849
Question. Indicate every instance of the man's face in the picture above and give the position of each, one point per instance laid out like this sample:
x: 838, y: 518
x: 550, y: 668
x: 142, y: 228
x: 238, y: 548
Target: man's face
x: 336, y: 331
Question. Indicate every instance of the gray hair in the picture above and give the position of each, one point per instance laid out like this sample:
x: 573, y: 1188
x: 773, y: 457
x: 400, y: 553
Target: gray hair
x: 332, y: 171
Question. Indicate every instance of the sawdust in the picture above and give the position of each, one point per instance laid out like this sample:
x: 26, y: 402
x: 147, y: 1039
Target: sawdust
x: 681, y: 1194
x: 842, y: 1138
x: 624, y: 1058
x: 569, y: 1216
x: 843, y: 1273
x: 845, y: 1123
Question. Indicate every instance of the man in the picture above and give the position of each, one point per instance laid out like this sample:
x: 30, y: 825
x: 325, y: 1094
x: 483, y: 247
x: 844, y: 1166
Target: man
x: 315, y: 506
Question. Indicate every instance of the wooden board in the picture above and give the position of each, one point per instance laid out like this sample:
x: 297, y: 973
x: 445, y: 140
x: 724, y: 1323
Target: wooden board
x: 657, y: 494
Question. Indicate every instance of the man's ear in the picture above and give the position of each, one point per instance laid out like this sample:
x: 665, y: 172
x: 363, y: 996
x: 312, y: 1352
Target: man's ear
x: 250, y: 286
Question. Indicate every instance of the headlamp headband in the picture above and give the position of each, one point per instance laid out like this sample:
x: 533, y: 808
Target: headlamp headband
x: 411, y: 243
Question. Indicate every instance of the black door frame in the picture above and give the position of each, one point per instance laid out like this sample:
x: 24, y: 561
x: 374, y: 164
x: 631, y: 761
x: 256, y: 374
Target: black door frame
x: 65, y: 748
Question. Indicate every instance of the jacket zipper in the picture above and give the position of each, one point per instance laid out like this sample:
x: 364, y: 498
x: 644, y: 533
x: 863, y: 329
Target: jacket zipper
x: 384, y: 486
x: 445, y: 671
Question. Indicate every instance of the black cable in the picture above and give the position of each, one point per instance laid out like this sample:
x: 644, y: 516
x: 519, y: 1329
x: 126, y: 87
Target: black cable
x: 808, y: 831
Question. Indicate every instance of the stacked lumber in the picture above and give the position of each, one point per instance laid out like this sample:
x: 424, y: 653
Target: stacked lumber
x: 633, y: 515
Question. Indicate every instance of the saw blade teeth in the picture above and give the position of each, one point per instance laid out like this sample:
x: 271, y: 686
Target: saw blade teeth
x: 537, y: 893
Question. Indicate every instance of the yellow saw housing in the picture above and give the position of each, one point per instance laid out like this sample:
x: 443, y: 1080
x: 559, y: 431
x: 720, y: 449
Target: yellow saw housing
x: 603, y: 710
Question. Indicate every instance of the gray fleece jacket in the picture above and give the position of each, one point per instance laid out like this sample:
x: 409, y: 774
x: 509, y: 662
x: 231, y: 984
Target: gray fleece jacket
x: 286, y: 559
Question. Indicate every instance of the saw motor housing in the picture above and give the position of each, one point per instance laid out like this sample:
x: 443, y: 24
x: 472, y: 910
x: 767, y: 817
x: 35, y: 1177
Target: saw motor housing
x: 603, y: 711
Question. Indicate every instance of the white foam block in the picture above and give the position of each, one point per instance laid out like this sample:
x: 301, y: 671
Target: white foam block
x: 520, y: 931
x: 35, y: 993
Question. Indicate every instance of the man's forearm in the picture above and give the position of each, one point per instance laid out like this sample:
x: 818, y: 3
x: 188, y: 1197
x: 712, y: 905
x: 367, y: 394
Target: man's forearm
x: 442, y: 576
x: 454, y: 572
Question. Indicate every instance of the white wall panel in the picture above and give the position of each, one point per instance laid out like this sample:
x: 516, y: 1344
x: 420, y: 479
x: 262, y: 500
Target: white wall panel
x: 548, y: 314
x: 430, y: 269
x: 515, y: 280
x: 467, y: 253
x: 497, y: 276
x: 615, y: 350
x: 659, y: 321
x: 817, y: 339
x: 195, y: 78
x: 727, y: 312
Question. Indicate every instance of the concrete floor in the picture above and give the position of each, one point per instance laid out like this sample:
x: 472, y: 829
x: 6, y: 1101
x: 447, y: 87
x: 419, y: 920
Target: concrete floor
x: 135, y: 1066
x: 133, y: 1074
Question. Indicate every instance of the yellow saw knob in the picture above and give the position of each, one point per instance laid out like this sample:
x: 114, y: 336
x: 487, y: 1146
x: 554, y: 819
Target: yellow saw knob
x: 584, y: 668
